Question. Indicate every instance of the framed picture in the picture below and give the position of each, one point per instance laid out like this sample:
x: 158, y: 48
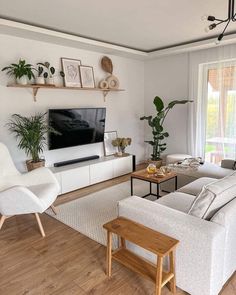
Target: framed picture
x: 70, y: 68
x: 109, y: 149
x: 87, y: 77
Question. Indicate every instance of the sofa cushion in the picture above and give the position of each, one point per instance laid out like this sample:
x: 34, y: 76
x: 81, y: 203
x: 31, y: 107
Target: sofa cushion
x: 228, y: 164
x: 194, y: 188
x: 224, y: 215
x: 214, y: 196
x: 177, y: 200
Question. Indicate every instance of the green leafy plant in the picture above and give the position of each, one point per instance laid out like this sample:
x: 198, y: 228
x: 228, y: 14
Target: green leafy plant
x: 40, y: 71
x: 19, y: 70
x: 50, y: 69
x: 31, y: 132
x: 156, y: 124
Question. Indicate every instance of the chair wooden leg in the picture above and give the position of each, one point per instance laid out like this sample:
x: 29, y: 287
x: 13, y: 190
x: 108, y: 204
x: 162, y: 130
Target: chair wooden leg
x: 54, y: 209
x: 40, y: 224
x: 3, y: 218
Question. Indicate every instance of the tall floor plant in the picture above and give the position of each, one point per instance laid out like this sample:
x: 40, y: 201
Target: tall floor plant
x: 156, y: 123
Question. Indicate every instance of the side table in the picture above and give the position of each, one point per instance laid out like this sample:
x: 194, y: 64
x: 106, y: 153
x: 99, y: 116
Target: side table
x: 151, y: 178
x: 157, y: 243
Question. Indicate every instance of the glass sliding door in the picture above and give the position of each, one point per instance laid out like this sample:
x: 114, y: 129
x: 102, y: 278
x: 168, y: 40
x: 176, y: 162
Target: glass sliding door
x: 221, y: 113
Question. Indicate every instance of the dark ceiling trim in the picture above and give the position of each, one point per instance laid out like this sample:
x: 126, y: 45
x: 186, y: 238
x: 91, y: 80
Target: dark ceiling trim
x: 112, y: 43
x: 188, y: 42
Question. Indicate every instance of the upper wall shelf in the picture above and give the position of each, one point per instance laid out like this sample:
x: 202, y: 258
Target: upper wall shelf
x: 36, y: 87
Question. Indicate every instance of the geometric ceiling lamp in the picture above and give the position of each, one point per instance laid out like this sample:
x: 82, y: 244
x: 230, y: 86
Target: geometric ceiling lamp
x: 217, y: 21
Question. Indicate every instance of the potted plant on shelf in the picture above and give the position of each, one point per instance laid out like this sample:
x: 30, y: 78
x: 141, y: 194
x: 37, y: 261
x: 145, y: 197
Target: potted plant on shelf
x: 121, y: 143
x: 40, y: 79
x: 156, y: 124
x: 21, y: 71
x: 50, y: 71
x: 31, y: 132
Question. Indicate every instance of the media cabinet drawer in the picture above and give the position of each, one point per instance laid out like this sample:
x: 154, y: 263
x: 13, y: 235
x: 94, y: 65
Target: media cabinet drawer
x: 74, y: 179
x: 122, y: 166
x: 101, y: 172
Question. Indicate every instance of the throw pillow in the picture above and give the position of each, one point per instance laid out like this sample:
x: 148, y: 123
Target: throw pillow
x: 234, y: 165
x: 214, y: 196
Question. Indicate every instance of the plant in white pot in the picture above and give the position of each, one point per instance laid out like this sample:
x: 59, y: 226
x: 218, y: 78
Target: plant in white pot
x: 40, y: 79
x: 22, y: 72
x: 49, y: 74
x: 156, y: 124
x: 31, y: 133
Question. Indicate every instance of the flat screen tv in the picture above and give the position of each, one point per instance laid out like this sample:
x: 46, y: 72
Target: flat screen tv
x: 76, y: 126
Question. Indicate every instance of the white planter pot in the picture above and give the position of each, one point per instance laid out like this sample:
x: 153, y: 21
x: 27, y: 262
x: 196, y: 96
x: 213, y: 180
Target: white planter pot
x: 22, y: 81
x: 50, y: 81
x: 40, y: 80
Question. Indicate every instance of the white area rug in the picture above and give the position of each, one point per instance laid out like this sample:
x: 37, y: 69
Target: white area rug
x: 88, y: 214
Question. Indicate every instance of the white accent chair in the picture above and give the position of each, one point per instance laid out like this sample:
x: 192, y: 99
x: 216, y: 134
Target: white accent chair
x: 26, y: 193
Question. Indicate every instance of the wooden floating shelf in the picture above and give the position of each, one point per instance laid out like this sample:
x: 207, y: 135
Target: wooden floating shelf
x: 36, y: 87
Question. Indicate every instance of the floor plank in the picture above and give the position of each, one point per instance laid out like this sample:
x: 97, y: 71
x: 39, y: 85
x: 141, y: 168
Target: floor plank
x: 65, y: 262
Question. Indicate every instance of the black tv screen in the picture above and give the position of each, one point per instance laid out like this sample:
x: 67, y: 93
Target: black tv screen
x: 76, y: 126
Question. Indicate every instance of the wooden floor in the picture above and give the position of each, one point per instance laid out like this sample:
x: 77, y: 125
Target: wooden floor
x: 65, y: 262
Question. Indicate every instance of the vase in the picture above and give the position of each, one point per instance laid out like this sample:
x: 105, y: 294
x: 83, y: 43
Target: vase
x: 40, y: 80
x: 22, y: 80
x: 50, y: 81
x: 121, y: 151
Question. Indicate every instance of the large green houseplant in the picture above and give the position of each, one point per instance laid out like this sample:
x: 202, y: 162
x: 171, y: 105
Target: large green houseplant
x: 156, y: 123
x: 31, y: 132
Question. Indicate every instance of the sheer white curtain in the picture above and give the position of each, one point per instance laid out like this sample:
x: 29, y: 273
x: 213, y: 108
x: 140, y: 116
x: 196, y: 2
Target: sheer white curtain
x: 204, y: 65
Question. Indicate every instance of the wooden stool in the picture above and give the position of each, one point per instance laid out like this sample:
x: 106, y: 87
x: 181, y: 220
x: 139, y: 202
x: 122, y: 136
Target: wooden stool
x: 151, y: 240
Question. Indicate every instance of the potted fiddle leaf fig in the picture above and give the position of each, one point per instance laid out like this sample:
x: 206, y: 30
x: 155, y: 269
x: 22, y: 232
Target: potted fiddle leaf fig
x: 21, y: 71
x: 31, y: 133
x: 156, y: 123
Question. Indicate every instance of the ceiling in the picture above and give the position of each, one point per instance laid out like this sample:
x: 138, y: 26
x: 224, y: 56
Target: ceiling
x: 144, y: 25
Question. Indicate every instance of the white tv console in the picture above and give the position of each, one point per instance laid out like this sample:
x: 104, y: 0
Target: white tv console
x: 79, y: 175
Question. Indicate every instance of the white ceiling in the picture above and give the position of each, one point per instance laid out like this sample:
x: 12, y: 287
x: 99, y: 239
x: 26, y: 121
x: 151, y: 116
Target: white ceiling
x: 144, y: 25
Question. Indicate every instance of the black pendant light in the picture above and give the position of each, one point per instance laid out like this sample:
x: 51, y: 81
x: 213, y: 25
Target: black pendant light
x: 216, y: 21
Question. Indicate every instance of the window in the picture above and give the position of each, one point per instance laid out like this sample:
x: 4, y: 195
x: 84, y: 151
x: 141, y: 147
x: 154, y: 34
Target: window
x: 220, y: 133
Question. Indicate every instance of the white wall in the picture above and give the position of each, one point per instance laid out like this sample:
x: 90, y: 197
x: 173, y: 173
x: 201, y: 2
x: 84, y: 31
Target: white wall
x: 167, y: 77
x: 123, y: 108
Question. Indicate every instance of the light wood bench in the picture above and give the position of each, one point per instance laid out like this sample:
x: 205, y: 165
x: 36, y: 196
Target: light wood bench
x: 151, y: 240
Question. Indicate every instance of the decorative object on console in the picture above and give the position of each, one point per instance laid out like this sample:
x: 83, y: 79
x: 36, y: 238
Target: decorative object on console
x: 211, y: 18
x: 121, y: 143
x: 107, y: 66
x: 71, y: 71
x: 156, y: 124
x: 87, y: 76
x: 31, y: 133
x: 40, y: 79
x: 22, y: 71
x: 50, y: 71
x: 109, y: 148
